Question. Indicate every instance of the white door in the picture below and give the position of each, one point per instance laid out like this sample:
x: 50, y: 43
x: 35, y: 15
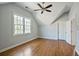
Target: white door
x: 62, y: 30
x: 73, y: 32
x: 68, y: 32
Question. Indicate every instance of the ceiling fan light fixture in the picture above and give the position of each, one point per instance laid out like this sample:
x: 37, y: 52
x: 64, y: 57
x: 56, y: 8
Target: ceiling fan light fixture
x: 26, y: 7
x: 43, y: 8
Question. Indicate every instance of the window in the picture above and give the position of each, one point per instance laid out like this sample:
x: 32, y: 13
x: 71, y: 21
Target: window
x: 27, y: 26
x: 21, y: 25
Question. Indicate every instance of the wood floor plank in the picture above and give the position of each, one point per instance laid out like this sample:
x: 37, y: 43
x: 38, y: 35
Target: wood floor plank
x: 41, y: 47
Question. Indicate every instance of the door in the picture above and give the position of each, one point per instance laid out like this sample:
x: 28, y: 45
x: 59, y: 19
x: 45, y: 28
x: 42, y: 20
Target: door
x: 68, y: 31
x: 73, y: 32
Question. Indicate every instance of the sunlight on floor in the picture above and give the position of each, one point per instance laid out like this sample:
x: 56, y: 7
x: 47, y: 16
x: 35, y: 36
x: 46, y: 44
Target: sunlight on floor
x: 28, y: 51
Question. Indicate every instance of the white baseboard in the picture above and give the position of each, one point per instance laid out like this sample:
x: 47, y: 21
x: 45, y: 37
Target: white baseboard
x: 48, y: 38
x: 16, y: 45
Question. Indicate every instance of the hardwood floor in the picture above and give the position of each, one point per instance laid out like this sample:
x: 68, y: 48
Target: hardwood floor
x: 41, y: 47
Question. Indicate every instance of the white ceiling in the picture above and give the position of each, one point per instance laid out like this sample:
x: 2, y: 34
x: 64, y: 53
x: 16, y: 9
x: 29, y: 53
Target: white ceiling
x: 3, y: 2
x: 47, y: 17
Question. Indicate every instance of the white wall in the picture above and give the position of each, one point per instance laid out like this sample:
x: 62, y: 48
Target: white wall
x: 6, y: 26
x: 77, y: 41
x: 50, y: 31
x: 74, y: 15
x: 77, y: 20
x: 71, y: 25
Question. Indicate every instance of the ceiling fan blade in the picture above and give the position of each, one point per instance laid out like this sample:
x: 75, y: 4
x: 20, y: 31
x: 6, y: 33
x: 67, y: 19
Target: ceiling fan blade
x: 40, y: 5
x: 49, y: 6
x: 37, y: 9
x: 48, y: 10
x: 42, y: 12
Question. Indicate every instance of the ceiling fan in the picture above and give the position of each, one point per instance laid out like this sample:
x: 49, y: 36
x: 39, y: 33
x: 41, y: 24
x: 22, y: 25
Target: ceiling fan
x: 43, y: 8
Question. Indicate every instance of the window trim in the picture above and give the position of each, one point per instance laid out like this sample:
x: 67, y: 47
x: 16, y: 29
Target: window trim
x: 21, y: 24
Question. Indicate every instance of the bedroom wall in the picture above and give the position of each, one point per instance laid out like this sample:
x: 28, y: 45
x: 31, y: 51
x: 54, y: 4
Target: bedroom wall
x: 77, y: 22
x: 50, y: 31
x: 74, y: 15
x: 7, y: 39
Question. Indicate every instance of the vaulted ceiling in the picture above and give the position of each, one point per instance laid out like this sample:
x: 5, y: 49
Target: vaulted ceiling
x: 58, y: 9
